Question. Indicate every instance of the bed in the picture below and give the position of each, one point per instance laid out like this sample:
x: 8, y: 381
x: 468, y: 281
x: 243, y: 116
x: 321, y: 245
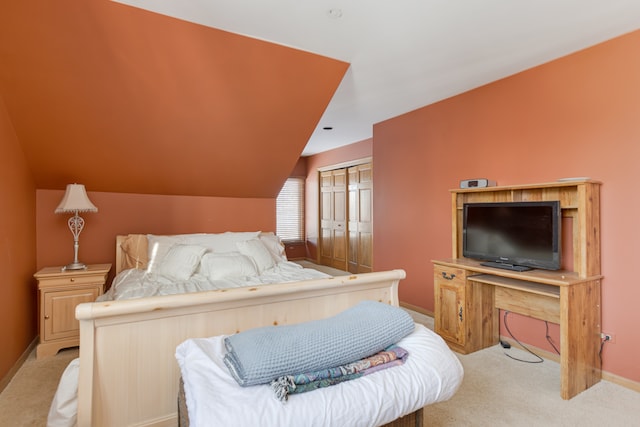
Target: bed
x: 127, y: 368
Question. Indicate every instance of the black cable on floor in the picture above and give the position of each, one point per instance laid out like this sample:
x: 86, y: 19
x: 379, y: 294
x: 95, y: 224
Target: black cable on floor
x: 548, y: 337
x: 540, y: 359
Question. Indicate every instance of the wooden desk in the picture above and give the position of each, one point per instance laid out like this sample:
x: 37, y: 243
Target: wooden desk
x: 468, y: 297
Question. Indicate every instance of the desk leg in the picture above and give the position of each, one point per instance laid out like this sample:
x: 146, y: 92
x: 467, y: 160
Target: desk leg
x: 481, y: 324
x: 580, y: 366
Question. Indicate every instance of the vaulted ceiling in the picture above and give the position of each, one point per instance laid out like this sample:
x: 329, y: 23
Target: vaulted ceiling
x: 220, y: 98
x: 124, y: 100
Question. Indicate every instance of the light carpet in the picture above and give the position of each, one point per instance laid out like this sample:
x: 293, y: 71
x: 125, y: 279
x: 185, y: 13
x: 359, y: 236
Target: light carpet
x: 498, y: 391
x: 27, y: 398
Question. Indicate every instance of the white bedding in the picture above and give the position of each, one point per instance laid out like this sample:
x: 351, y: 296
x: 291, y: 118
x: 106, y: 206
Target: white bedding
x: 135, y: 283
x: 432, y: 373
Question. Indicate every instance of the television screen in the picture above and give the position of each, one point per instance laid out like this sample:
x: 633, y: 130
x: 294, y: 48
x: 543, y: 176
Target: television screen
x: 513, y: 235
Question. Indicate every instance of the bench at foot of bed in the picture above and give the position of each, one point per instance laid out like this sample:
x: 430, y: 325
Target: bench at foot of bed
x: 413, y: 419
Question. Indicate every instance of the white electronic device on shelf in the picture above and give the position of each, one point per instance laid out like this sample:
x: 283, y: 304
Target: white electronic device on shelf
x: 477, y: 183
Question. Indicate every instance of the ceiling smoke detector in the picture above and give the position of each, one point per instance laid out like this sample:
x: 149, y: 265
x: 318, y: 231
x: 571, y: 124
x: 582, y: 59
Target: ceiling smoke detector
x: 335, y: 13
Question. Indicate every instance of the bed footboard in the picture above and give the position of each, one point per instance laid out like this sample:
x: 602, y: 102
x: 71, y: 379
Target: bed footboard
x: 128, y: 371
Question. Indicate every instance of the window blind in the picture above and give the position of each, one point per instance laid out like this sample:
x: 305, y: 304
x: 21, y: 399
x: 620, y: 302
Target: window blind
x: 290, y: 211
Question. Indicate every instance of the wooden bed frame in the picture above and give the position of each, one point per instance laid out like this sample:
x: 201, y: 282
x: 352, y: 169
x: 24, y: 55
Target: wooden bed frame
x: 128, y: 372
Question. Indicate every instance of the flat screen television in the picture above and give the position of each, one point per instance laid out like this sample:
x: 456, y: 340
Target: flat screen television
x: 513, y: 235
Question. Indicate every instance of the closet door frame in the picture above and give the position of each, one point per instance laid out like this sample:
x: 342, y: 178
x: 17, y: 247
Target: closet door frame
x: 321, y: 257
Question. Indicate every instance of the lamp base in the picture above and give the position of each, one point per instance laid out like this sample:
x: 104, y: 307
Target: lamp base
x: 74, y: 266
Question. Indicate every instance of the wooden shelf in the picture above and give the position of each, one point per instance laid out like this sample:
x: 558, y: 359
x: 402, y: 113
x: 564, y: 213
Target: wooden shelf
x: 527, y: 187
x: 548, y: 277
x: 579, y: 201
x: 521, y: 285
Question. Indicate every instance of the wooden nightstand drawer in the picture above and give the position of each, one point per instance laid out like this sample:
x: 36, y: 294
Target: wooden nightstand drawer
x: 55, y: 276
x: 71, y: 280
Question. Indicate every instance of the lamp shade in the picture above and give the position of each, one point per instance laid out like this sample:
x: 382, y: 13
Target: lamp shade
x: 76, y: 200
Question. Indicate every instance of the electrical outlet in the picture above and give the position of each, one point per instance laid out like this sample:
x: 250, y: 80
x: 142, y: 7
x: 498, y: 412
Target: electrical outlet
x: 608, y: 337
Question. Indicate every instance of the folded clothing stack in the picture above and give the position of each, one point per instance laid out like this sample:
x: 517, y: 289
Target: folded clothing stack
x: 308, y: 381
x: 260, y: 355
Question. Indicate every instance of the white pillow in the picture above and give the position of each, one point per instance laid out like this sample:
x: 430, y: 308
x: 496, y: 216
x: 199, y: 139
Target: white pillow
x: 258, y: 252
x: 181, y: 261
x: 275, y: 246
x: 157, y: 248
x: 219, y: 242
x: 231, y: 264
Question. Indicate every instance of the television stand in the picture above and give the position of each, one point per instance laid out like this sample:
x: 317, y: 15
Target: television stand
x: 469, y: 296
x: 505, y: 266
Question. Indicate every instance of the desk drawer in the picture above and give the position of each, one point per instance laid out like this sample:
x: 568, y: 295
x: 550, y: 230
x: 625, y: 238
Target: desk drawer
x: 451, y: 275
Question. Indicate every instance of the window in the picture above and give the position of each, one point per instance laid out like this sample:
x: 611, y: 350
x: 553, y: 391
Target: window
x: 290, y: 211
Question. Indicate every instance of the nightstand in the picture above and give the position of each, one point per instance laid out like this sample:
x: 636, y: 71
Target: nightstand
x: 59, y: 292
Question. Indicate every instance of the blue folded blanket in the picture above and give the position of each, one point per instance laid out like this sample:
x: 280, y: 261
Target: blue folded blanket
x: 258, y: 356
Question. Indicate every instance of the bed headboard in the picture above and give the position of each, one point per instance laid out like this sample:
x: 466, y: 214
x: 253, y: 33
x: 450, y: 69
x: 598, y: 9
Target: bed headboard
x: 132, y: 249
x: 131, y: 252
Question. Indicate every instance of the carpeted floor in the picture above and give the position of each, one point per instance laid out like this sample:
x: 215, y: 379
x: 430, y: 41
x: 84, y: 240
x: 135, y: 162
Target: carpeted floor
x: 496, y: 391
x: 26, y: 399
x: 499, y: 391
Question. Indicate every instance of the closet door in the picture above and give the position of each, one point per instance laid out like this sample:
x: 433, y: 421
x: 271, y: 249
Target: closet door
x: 360, y: 226
x: 333, y: 218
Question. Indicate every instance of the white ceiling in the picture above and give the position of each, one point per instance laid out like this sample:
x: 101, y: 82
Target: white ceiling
x: 406, y: 54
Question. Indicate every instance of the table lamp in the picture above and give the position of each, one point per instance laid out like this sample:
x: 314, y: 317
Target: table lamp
x: 75, y: 200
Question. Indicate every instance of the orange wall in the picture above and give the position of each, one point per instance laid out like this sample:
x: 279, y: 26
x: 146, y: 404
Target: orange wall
x: 17, y: 248
x: 576, y: 116
x: 300, y: 168
x: 359, y: 150
x: 138, y: 213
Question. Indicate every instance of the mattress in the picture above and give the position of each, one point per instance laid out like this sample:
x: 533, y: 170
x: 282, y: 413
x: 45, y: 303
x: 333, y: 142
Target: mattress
x: 431, y: 374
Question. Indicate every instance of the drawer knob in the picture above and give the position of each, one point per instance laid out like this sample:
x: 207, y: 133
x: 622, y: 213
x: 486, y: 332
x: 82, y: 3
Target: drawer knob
x: 72, y: 279
x: 448, y: 276
x: 46, y: 317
